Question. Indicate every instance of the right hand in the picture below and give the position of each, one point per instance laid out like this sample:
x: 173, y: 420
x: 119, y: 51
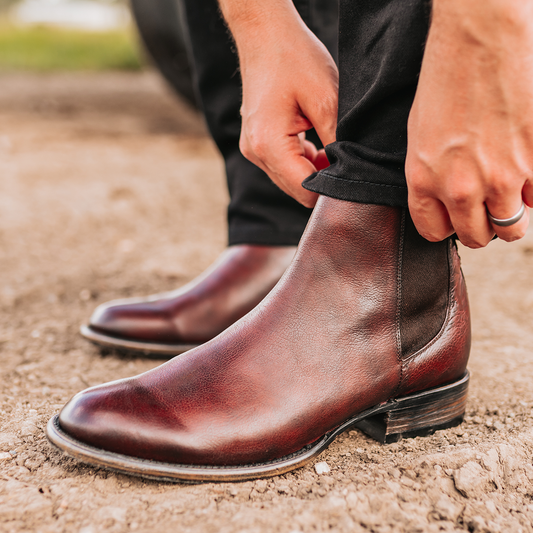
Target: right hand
x: 290, y: 84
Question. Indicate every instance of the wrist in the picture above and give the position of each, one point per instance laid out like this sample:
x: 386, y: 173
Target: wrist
x: 483, y: 18
x: 259, y: 23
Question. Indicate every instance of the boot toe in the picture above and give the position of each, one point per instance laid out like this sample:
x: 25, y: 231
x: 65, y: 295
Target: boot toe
x: 107, y: 417
x: 91, y: 417
x: 134, y: 321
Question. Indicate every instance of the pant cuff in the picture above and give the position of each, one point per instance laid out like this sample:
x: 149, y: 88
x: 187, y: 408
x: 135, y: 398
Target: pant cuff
x: 362, y: 192
x: 263, y: 237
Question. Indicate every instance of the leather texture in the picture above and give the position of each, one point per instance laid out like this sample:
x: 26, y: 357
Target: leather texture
x: 243, y: 275
x: 324, y: 345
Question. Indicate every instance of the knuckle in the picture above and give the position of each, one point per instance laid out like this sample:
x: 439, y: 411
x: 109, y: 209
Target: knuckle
x: 500, y: 187
x: 475, y: 242
x: 515, y: 236
x: 245, y: 148
x: 497, y: 190
x: 459, y: 195
x: 433, y: 236
x: 460, y: 190
x: 257, y: 146
x: 416, y: 177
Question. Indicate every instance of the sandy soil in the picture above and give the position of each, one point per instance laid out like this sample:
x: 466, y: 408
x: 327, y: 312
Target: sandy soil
x: 110, y: 188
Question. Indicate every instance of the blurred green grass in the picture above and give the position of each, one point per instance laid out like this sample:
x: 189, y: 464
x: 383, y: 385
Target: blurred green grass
x: 48, y: 49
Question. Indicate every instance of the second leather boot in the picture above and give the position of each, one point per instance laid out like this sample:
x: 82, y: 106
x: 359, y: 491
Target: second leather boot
x: 167, y: 324
x: 369, y: 327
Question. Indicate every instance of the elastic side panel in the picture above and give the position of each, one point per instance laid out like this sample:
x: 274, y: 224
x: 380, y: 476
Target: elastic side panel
x: 425, y: 280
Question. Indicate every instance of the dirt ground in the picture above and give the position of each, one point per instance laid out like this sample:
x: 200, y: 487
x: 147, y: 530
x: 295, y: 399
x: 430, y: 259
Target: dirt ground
x: 109, y: 188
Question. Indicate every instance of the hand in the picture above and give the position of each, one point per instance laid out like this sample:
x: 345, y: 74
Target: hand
x: 470, y: 132
x: 290, y: 84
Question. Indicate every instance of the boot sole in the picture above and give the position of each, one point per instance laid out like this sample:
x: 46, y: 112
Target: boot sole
x: 419, y: 414
x: 147, y: 349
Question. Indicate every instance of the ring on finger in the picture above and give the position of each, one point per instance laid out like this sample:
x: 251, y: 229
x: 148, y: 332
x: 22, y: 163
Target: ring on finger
x: 504, y: 222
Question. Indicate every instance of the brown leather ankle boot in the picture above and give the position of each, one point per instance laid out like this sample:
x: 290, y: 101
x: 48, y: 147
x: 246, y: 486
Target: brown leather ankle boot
x: 167, y: 324
x: 369, y: 326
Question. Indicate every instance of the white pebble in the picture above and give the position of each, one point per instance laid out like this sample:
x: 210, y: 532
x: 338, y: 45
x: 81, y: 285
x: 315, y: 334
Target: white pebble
x: 322, y: 468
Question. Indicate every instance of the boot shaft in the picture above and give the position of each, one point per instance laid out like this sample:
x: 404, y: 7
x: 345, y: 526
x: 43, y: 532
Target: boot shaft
x: 414, y: 285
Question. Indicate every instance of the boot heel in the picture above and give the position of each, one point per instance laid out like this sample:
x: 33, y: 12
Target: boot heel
x: 419, y: 414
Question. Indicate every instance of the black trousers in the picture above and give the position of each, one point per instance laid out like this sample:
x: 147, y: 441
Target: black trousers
x: 259, y: 212
x: 381, y: 44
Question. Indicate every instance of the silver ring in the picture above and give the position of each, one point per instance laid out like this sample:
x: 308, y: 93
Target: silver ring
x: 504, y: 222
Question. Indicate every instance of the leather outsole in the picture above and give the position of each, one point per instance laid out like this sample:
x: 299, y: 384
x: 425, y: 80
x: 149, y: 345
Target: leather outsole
x: 418, y: 414
x: 147, y: 349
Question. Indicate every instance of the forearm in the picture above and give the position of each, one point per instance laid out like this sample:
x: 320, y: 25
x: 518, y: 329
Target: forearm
x: 261, y: 28
x: 483, y: 19
x: 290, y: 84
x: 250, y: 17
x: 491, y: 29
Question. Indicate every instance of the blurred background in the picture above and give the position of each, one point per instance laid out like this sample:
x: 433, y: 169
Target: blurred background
x: 95, y: 35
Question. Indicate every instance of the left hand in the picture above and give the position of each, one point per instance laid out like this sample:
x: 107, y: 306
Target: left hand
x: 470, y: 132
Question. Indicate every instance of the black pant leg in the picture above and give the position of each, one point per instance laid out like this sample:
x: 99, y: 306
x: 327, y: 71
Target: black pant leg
x: 259, y: 212
x: 381, y: 44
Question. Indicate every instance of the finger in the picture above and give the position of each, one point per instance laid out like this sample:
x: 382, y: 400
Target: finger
x: 527, y: 193
x: 430, y: 218
x: 284, y: 160
x: 504, y: 208
x: 289, y: 172
x: 321, y: 160
x: 310, y: 150
x: 471, y: 223
x: 284, y: 154
x: 317, y: 157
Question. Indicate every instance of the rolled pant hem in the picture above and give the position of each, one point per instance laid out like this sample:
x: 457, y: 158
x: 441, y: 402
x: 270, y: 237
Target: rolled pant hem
x: 363, y: 192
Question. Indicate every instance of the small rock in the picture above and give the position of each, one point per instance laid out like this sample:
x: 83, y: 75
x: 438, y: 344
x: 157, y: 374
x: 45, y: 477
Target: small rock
x: 410, y: 474
x: 261, y: 485
x: 471, y: 479
x: 322, y: 468
x: 28, y: 428
x: 5, y: 456
x: 395, y: 473
x: 85, y: 295
x: 447, y: 509
x: 477, y: 525
x: 491, y: 507
x: 34, y: 462
x: 407, y: 481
